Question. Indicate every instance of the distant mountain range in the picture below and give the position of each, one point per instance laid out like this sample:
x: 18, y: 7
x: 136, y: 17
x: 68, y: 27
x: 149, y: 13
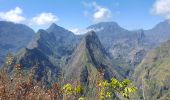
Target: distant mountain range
x: 109, y: 48
x: 159, y: 33
x: 121, y: 44
x: 13, y: 37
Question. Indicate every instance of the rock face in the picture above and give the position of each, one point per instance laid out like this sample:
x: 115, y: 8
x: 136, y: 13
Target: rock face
x: 152, y: 76
x: 122, y: 45
x: 110, y: 32
x: 56, y: 43
x: 33, y: 60
x: 13, y: 37
x: 88, y: 59
x: 47, y: 53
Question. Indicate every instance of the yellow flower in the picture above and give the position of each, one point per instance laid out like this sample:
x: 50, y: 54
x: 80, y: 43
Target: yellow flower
x: 68, y: 89
x: 103, y: 84
x: 114, y: 83
x: 108, y: 94
x: 101, y: 97
x: 101, y: 92
x: 130, y: 89
x: 81, y: 98
x: 78, y: 89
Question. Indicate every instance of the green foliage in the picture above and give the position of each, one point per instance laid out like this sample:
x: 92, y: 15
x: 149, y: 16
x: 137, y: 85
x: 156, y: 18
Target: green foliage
x: 81, y: 98
x: 152, y: 75
x: 107, y: 90
x: 168, y: 97
x: 78, y: 89
x: 68, y: 89
x: 110, y: 89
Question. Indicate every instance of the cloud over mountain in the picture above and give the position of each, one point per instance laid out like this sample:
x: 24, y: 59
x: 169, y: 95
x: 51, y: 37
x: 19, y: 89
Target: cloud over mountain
x: 101, y: 13
x: 44, y: 19
x: 97, y: 13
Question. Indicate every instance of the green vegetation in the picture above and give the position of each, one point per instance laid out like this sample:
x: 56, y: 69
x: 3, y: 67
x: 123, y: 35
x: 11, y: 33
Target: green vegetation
x: 153, y: 74
x: 109, y: 90
x: 22, y: 87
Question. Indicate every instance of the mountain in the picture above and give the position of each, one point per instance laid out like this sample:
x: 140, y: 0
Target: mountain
x: 13, y: 37
x: 54, y: 52
x: 109, y: 31
x: 36, y: 62
x: 152, y: 76
x: 88, y: 60
x: 46, y: 54
x: 159, y: 33
x: 56, y: 42
x: 126, y: 47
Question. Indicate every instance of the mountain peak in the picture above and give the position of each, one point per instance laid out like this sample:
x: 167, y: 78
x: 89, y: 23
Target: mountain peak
x: 162, y: 25
x: 92, y: 42
x: 90, y: 32
x: 109, y: 23
x: 37, y: 39
x: 160, y: 32
x: 41, y: 31
x: 104, y: 25
x: 53, y: 25
x: 89, y: 57
x: 91, y: 35
x: 58, y: 30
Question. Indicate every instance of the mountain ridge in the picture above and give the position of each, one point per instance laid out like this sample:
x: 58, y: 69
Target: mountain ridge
x: 109, y: 49
x: 13, y: 37
x: 153, y: 73
x: 88, y: 59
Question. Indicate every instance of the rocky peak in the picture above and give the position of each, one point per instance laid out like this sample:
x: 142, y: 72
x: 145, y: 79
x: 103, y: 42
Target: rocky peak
x: 89, y: 58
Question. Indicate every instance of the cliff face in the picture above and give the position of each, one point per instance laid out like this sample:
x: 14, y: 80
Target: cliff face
x: 152, y: 75
x: 88, y: 59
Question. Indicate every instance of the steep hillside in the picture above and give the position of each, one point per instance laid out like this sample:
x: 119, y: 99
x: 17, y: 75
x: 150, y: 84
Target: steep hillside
x: 126, y: 48
x: 46, y: 54
x: 153, y: 75
x: 13, y: 37
x: 34, y: 61
x: 56, y: 43
x: 88, y: 59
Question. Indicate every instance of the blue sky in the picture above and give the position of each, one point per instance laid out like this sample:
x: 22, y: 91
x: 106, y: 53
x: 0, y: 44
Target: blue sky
x: 78, y: 14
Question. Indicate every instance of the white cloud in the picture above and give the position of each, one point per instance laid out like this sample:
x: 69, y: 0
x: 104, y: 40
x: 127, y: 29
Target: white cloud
x: 44, y: 19
x: 13, y: 15
x: 162, y: 8
x: 102, y: 14
x: 98, y: 13
x: 78, y: 31
x: 75, y: 30
x: 97, y: 29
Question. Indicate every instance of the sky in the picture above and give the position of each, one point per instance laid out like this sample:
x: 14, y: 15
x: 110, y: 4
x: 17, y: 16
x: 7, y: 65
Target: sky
x: 76, y: 15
